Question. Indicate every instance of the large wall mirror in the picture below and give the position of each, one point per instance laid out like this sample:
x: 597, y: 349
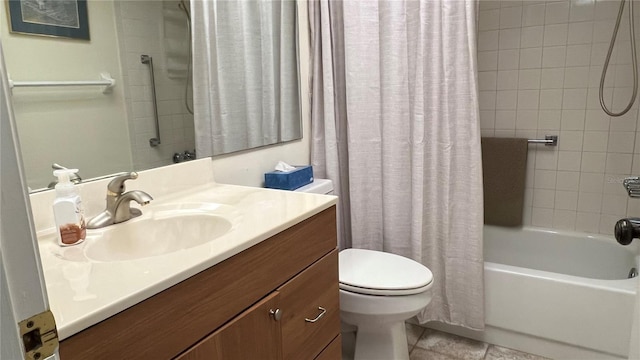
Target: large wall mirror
x: 102, y: 133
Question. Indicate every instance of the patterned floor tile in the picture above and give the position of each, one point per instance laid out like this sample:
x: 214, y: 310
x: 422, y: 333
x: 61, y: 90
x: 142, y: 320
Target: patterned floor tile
x: 422, y: 354
x: 428, y: 344
x: 500, y: 353
x: 452, y: 345
x: 413, y: 334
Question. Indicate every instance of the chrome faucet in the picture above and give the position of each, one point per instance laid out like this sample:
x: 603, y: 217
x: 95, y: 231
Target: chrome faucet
x: 118, y: 203
x: 632, y: 185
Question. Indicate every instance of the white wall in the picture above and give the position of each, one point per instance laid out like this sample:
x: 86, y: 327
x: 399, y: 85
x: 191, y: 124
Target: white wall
x: 539, y: 68
x: 50, y: 119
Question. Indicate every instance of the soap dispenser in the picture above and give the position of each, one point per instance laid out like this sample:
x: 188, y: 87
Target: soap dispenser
x: 67, y: 210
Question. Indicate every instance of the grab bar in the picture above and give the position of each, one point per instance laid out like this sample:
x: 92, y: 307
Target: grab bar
x: 146, y: 59
x: 106, y: 80
x: 549, y: 140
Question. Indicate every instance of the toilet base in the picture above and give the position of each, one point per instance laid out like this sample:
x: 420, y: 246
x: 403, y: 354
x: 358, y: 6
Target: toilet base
x: 382, y: 342
x: 381, y: 333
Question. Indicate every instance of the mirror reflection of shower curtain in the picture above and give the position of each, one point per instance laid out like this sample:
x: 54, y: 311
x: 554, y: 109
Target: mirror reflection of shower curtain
x: 245, y: 74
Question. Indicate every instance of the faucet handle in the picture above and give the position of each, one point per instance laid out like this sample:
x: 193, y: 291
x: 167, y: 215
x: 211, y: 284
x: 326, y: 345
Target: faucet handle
x: 116, y: 186
x: 632, y: 185
x: 626, y: 230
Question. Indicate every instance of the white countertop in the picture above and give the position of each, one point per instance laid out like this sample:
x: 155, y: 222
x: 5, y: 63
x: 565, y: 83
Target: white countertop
x: 83, y: 292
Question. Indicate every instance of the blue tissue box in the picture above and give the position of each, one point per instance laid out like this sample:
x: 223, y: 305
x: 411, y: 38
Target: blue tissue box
x: 289, y: 180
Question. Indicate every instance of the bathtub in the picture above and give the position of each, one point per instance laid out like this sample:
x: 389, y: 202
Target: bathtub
x: 564, y: 295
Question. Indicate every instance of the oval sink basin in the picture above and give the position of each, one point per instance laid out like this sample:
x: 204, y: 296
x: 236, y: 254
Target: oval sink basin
x: 154, y: 236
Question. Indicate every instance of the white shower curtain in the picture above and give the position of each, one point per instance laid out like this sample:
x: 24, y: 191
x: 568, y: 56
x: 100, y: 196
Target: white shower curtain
x: 245, y: 83
x: 395, y: 125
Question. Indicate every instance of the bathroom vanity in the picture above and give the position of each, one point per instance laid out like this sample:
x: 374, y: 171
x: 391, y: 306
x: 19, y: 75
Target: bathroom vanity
x: 251, y: 306
x: 265, y: 288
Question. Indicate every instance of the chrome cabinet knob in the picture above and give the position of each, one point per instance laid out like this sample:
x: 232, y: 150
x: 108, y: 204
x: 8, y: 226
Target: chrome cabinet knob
x: 276, y: 314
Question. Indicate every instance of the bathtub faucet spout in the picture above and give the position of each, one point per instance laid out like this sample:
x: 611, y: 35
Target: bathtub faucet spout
x: 626, y: 230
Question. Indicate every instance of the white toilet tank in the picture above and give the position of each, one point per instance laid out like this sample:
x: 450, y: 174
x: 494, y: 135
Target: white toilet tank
x: 318, y: 186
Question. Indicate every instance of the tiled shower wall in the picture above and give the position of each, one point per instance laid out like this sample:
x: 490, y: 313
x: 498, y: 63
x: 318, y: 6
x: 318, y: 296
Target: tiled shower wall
x: 539, y: 68
x: 141, y: 30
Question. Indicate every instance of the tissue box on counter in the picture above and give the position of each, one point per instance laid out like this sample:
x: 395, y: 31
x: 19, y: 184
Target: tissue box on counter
x: 289, y: 180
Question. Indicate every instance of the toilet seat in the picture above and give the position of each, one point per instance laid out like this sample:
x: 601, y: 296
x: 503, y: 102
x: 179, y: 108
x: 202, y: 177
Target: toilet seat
x: 369, y: 272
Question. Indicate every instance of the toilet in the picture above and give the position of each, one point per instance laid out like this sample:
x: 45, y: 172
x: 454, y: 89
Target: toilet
x: 378, y: 292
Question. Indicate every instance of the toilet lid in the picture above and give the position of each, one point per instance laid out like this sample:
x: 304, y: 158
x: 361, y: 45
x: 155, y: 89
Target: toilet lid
x: 378, y: 273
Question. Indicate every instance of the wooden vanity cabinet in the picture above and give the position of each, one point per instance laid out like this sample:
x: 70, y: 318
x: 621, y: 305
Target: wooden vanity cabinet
x: 229, y: 310
x: 297, y: 321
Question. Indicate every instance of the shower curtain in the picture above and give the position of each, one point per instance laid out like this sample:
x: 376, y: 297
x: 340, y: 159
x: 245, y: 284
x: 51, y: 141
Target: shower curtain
x: 246, y: 89
x: 395, y: 126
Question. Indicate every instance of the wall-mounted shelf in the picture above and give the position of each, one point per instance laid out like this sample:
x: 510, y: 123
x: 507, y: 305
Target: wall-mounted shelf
x: 105, y: 80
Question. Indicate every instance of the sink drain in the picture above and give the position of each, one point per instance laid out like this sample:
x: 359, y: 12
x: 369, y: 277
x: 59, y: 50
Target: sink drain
x: 633, y: 273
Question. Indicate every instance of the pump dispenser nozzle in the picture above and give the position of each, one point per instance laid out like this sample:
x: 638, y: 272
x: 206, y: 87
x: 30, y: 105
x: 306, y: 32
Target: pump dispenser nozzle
x: 64, y: 185
x: 64, y: 175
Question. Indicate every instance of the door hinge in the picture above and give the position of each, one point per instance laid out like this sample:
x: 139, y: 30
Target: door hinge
x: 39, y: 336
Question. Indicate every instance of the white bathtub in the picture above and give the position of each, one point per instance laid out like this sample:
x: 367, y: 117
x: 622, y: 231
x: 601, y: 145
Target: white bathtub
x: 563, y: 295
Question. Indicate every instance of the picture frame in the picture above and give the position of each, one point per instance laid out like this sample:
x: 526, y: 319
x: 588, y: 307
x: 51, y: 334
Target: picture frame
x: 55, y: 18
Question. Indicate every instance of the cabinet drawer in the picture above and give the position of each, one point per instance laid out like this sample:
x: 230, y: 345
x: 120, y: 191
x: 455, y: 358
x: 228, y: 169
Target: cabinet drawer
x: 253, y: 334
x: 333, y: 351
x: 311, y: 309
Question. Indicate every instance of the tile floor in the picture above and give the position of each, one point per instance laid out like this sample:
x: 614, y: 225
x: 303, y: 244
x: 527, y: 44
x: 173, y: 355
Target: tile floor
x: 435, y: 345
x: 428, y: 344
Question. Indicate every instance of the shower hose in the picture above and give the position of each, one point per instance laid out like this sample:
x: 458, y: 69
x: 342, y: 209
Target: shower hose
x: 634, y: 65
x: 183, y: 7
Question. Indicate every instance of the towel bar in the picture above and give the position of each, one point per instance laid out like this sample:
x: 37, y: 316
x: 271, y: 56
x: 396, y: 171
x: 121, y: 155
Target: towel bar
x: 549, y: 140
x: 105, y: 80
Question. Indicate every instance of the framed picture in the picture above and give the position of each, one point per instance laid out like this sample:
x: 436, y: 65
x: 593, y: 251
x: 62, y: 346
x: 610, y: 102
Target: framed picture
x: 60, y: 18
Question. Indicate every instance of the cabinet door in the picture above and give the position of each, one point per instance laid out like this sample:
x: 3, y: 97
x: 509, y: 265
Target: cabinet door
x: 254, y: 334
x: 311, y: 309
x: 333, y: 351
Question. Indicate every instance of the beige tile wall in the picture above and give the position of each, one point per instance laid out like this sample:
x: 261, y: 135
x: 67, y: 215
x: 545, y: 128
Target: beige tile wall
x: 539, y: 68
